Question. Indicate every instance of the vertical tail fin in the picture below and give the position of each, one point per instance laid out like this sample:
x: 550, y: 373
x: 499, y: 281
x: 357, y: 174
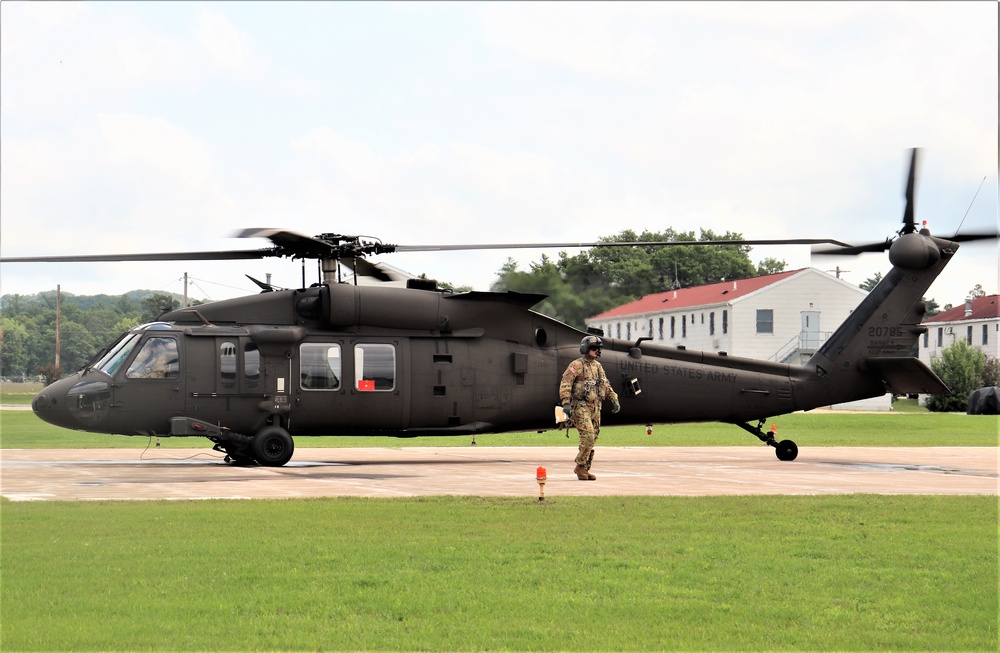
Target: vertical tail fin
x: 874, y: 350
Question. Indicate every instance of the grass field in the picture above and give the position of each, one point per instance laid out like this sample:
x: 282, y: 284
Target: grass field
x: 20, y: 429
x: 854, y: 572
x: 614, y: 573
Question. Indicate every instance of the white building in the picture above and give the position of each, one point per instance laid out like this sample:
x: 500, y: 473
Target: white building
x: 977, y: 322
x: 782, y: 317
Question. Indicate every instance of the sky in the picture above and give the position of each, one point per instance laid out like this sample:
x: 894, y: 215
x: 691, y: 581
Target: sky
x: 133, y: 127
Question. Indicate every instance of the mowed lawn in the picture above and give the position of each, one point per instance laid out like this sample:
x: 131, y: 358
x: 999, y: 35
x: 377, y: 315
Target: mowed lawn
x: 855, y: 572
x: 605, y: 573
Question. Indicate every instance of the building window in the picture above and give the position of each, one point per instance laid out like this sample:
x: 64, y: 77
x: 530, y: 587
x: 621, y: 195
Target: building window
x: 711, y: 324
x: 661, y: 329
x: 684, y: 326
x: 618, y: 330
x: 986, y: 336
x: 940, y: 337
x: 765, y: 320
x: 968, y: 335
x: 628, y: 331
x: 926, y: 338
x: 725, y: 322
x: 673, y: 327
x: 651, y: 328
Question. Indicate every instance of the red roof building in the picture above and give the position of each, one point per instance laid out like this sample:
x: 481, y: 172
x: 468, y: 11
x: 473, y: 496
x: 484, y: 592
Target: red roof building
x: 977, y: 321
x: 782, y: 317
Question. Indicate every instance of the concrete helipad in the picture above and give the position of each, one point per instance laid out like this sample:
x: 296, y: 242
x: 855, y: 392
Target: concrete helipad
x: 131, y: 474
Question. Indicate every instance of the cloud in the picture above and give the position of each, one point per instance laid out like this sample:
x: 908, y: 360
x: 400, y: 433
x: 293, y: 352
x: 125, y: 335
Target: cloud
x: 227, y: 49
x: 161, y: 148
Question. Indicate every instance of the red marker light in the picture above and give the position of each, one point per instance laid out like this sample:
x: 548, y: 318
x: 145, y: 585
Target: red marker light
x: 540, y: 472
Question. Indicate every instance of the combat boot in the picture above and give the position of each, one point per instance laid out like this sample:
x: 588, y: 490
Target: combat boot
x: 582, y: 474
x: 590, y: 461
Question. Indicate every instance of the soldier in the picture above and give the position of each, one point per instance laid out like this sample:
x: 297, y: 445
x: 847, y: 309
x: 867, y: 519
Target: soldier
x: 584, y: 386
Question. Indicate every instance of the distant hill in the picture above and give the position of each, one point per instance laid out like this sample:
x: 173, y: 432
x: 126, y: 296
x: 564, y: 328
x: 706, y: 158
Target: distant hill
x: 87, y: 302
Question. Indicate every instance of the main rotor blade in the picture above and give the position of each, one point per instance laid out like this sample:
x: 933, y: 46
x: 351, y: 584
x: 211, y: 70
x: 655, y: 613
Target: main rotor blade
x: 630, y: 243
x: 981, y: 235
x: 291, y: 243
x: 230, y: 255
x: 364, y: 268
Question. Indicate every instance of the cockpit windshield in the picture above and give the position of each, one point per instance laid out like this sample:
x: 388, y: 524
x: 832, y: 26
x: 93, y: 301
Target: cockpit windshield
x: 113, y: 360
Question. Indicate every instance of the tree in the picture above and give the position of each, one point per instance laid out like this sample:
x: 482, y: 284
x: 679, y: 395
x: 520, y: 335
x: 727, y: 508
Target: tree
x: 961, y: 367
x: 600, y: 278
x: 871, y: 282
x: 157, y: 304
x: 977, y: 292
x: 13, y: 348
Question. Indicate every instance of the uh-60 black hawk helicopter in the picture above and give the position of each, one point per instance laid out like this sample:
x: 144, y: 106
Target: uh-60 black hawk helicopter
x: 343, y: 358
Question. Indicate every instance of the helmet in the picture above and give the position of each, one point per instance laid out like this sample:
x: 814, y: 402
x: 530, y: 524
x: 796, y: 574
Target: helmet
x: 591, y: 342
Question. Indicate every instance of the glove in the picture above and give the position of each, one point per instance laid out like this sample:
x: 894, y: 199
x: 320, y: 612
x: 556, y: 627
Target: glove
x: 615, y: 407
x: 567, y: 409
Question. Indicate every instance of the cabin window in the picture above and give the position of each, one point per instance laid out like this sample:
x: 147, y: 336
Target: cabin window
x: 227, y: 365
x: 765, y: 320
x: 320, y: 366
x: 374, y: 367
x: 251, y: 365
x: 157, y: 359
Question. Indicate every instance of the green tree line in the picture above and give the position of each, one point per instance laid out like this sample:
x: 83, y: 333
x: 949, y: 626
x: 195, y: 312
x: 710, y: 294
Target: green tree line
x: 87, y: 324
x: 598, y: 279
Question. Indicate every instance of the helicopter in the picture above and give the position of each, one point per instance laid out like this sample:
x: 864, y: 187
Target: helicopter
x: 405, y: 358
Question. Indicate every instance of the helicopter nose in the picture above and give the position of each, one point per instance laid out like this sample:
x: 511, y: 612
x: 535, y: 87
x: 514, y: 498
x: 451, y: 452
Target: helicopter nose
x: 74, y: 402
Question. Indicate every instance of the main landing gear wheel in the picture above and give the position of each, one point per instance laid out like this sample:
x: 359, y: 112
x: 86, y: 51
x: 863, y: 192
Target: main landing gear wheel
x: 786, y: 450
x: 273, y: 446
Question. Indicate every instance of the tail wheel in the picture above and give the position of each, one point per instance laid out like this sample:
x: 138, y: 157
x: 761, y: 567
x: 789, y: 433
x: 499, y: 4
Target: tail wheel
x: 273, y: 446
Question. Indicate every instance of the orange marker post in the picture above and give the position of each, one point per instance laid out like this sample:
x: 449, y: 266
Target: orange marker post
x: 541, y: 478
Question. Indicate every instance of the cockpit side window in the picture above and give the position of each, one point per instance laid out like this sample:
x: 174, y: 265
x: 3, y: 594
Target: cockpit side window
x: 158, y: 359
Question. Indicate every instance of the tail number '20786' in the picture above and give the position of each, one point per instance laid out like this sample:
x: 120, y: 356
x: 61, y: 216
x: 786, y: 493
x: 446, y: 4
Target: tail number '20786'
x: 885, y: 332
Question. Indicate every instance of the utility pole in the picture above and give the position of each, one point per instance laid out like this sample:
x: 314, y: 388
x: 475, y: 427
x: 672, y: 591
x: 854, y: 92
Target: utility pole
x: 58, y: 321
x: 185, y: 290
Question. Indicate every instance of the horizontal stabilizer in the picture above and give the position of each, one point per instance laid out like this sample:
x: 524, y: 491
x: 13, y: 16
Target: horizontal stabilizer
x: 906, y: 375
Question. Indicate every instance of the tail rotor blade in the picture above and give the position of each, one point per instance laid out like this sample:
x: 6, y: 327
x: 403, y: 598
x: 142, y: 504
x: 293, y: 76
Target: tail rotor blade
x: 909, y: 224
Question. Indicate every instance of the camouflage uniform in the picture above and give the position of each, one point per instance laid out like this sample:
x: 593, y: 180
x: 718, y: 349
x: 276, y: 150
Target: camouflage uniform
x: 584, y: 386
